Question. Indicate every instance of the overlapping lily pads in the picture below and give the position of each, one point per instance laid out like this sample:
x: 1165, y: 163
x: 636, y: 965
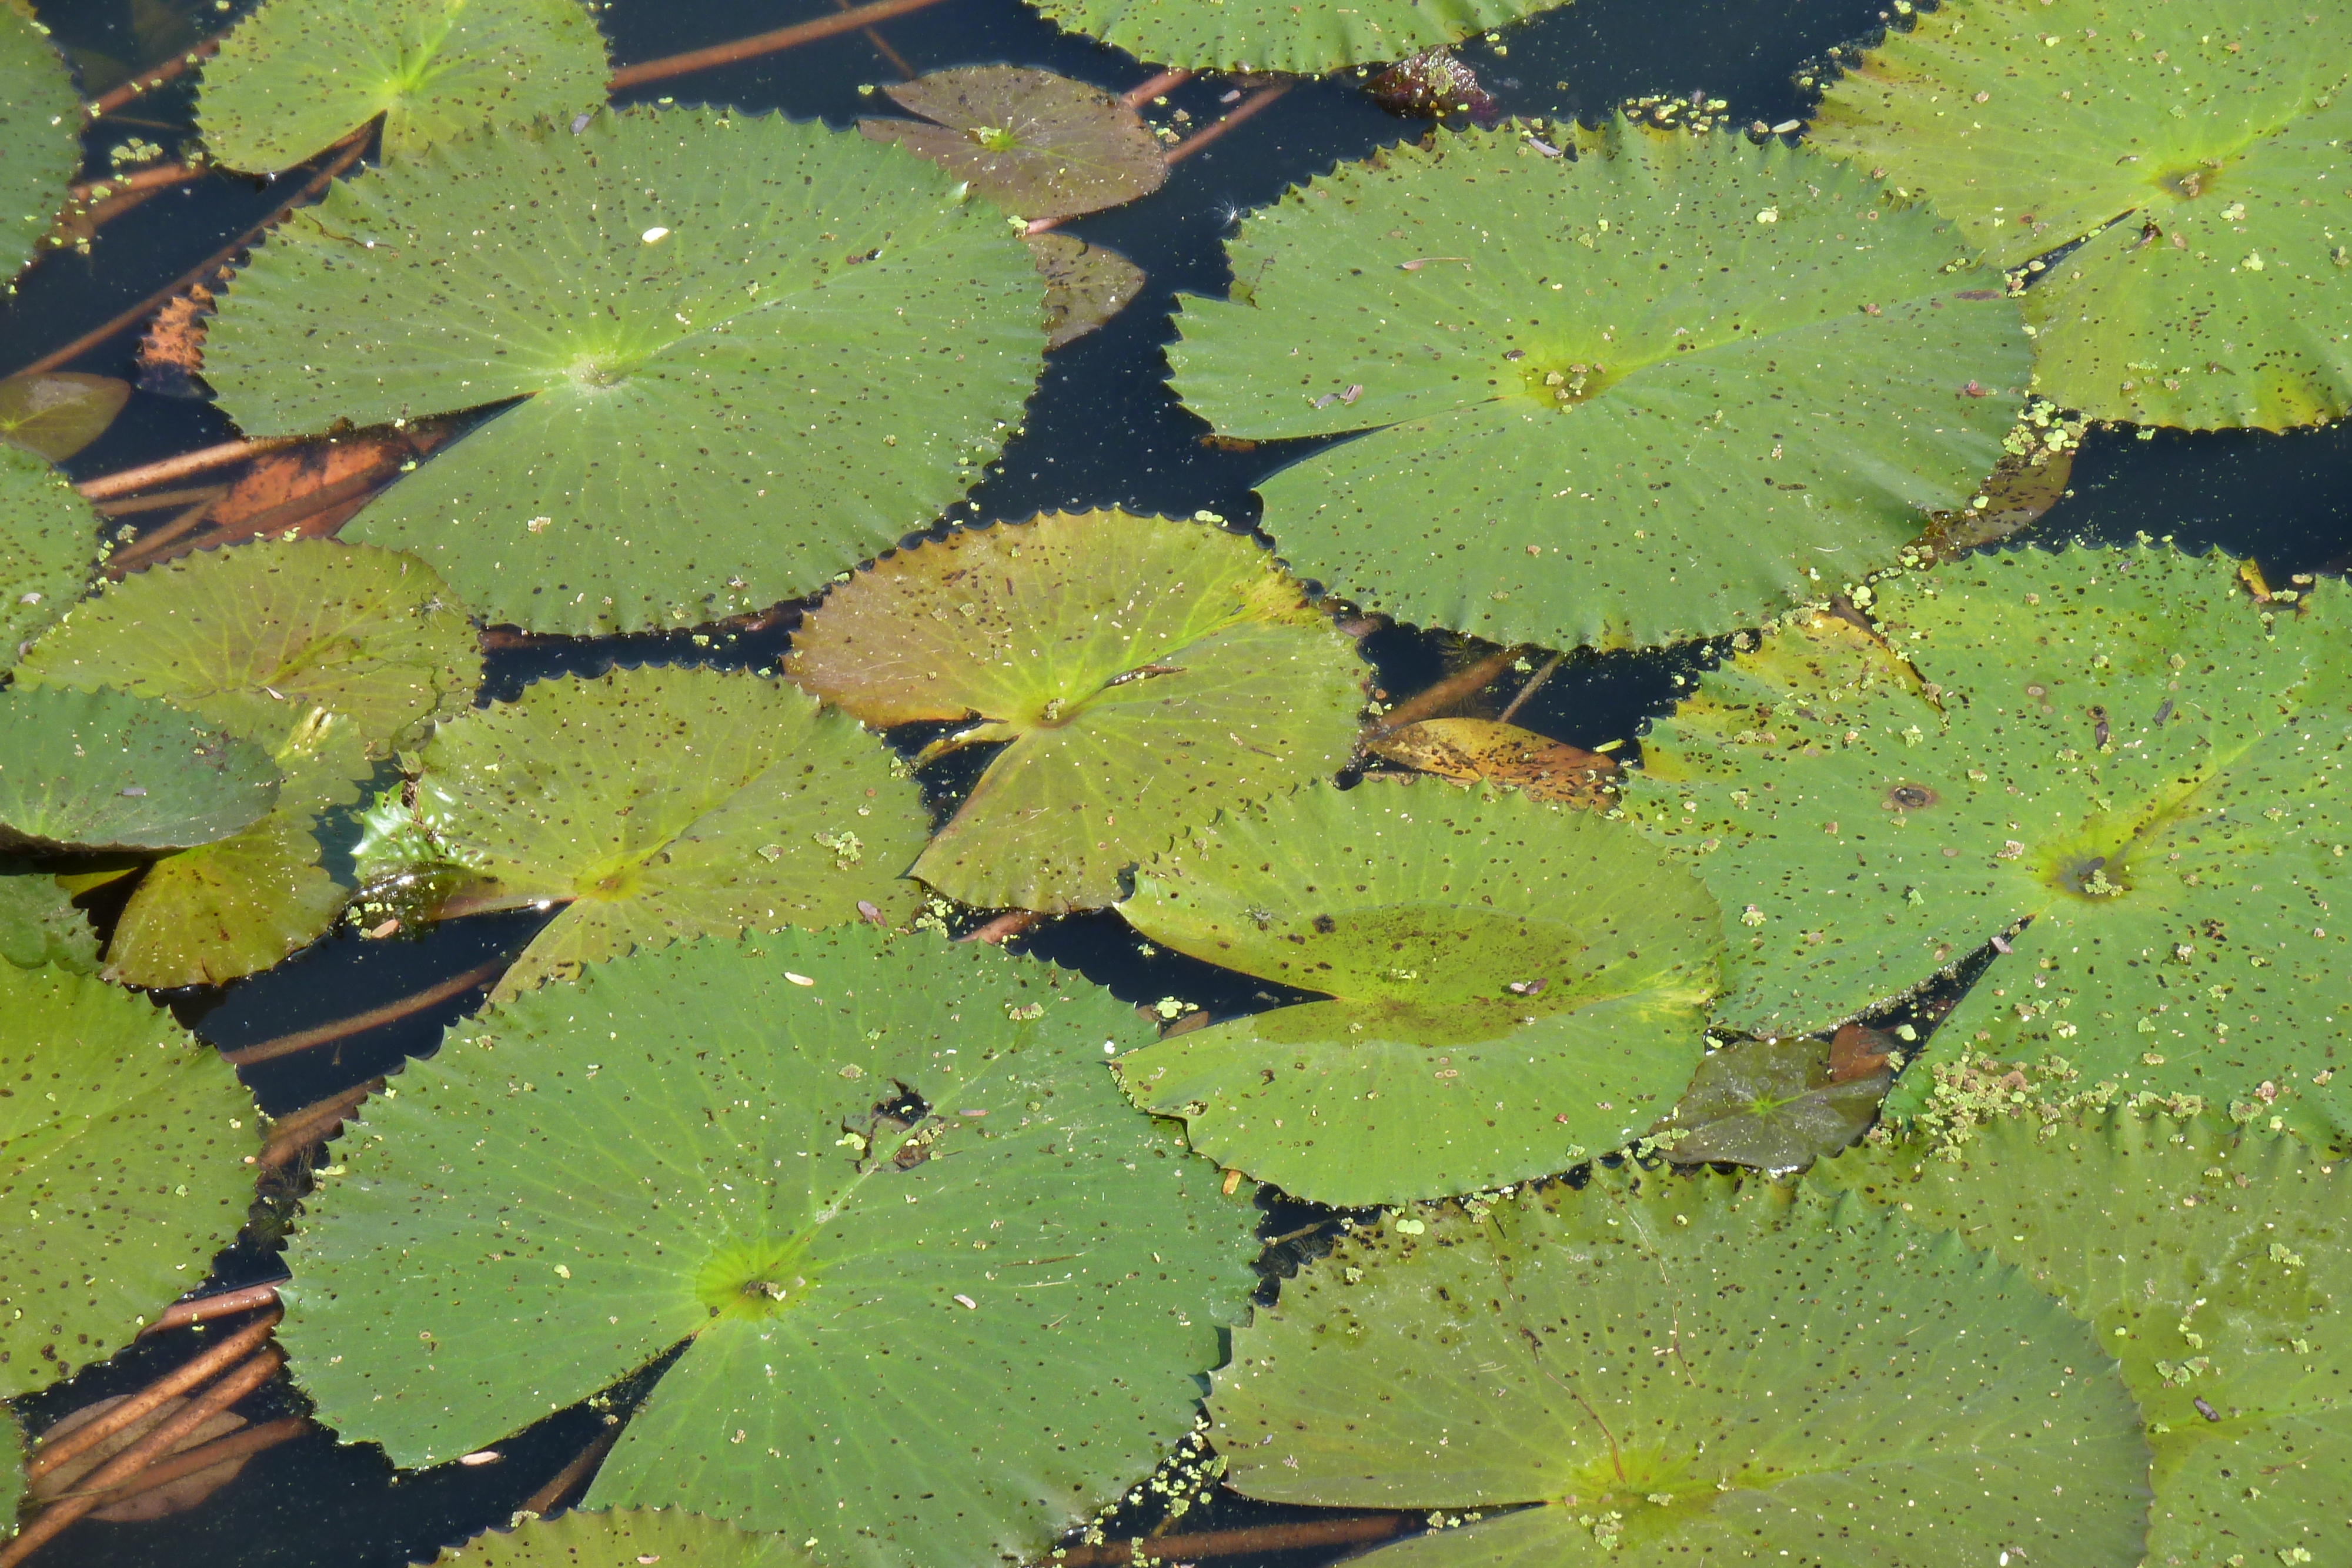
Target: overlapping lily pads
x: 1685, y: 1369
x: 294, y: 77
x: 39, y: 923
x: 623, y: 1538
x: 1144, y: 672
x: 1086, y: 284
x: 1774, y: 1105
x: 123, y: 1168
x: 2199, y: 166
x: 49, y: 542
x: 743, y: 354
x: 325, y: 655
x: 40, y: 125
x: 1038, y: 144
x: 2213, y: 1261
x: 1310, y: 39
x: 1660, y: 391
x: 938, y: 1287
x: 106, y: 770
x: 2121, y: 748
x: 652, y: 804
x: 1513, y: 985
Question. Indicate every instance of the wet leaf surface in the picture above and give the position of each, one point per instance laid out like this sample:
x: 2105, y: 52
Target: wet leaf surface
x: 1482, y: 751
x: 1037, y: 144
x: 48, y: 546
x: 39, y: 923
x: 57, y: 414
x: 1086, y: 284
x: 105, y: 770
x: 40, y: 120
x: 623, y: 1538
x: 1775, y: 1105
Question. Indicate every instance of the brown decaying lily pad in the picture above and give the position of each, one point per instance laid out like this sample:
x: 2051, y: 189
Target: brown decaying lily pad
x: 1086, y: 284
x: 1483, y: 752
x: 1776, y: 1104
x: 1042, y: 145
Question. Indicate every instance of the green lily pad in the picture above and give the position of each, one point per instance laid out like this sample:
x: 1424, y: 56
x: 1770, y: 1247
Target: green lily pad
x: 797, y: 348
x: 2119, y: 747
x: 623, y: 1538
x: 48, y: 544
x: 40, y: 125
x: 1685, y: 1369
x: 1569, y: 373
x: 327, y: 656
x: 1035, y: 144
x: 1086, y: 284
x: 39, y: 923
x: 105, y: 770
x: 57, y: 414
x: 12, y: 1471
x: 1772, y: 1105
x: 882, y: 1191
x: 2212, y: 1261
x: 1511, y: 984
x: 123, y: 1168
x: 294, y: 76
x: 1144, y: 672
x: 2201, y: 166
x: 1311, y: 39
x: 654, y: 804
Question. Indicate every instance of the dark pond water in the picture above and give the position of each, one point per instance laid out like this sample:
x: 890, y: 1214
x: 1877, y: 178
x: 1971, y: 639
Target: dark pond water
x: 1101, y: 429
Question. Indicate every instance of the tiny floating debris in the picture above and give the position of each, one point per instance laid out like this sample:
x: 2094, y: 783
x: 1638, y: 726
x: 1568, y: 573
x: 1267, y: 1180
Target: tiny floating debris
x: 798, y: 979
x: 963, y: 1300
x: 480, y: 1456
x: 1418, y: 262
x: 655, y: 235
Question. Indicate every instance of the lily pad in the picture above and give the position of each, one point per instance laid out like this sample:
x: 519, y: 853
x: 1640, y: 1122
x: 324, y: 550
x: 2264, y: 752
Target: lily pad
x: 57, y: 414
x: 1511, y: 985
x: 1685, y: 1369
x: 294, y: 76
x: 39, y: 923
x: 654, y: 804
x: 40, y: 125
x: 1570, y: 373
x: 119, y: 1178
x: 12, y: 1471
x: 1086, y: 284
x: 1035, y: 144
x: 327, y: 656
x: 48, y: 544
x: 2198, y: 165
x: 798, y: 347
x: 2213, y: 1261
x: 1772, y: 1104
x: 1311, y: 39
x: 623, y: 1538
x: 881, y: 1191
x: 1144, y: 672
x: 1483, y: 752
x: 2120, y: 747
x: 105, y: 770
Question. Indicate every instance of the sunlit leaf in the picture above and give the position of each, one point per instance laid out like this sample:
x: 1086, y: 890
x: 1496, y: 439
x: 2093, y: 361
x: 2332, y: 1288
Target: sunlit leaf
x: 1310, y: 39
x: 39, y: 923
x: 105, y: 770
x: 1086, y: 284
x: 295, y: 76
x: 1037, y: 144
x: 655, y: 804
x: 623, y: 1537
x: 1570, y: 375
x: 1772, y: 1104
x: 40, y: 127
x: 884, y: 1191
x: 1482, y: 751
x: 1682, y: 1369
x: 2119, y: 747
x: 1513, y: 985
x: 57, y: 414
x: 119, y: 1178
x: 2216, y: 1263
x: 797, y: 348
x: 49, y: 542
x: 1145, y: 673
x: 2201, y: 166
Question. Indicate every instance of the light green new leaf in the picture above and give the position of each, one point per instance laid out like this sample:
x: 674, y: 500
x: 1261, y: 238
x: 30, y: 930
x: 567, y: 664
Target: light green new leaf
x: 102, y: 770
x: 1145, y: 672
x: 623, y: 1537
x: 2198, y: 155
x: 49, y: 543
x: 122, y: 1169
x: 943, y: 1289
x: 655, y: 804
x: 1685, y: 1369
x: 748, y: 354
x: 1513, y: 985
x: 2120, y: 747
x: 1037, y: 144
x: 1313, y: 38
x: 2215, y: 1263
x: 39, y: 923
x: 328, y: 656
x: 296, y: 76
x: 40, y: 127
x: 1570, y: 374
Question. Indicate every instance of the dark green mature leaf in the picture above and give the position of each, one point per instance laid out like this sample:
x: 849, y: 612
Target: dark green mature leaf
x: 887, y: 1191
x: 1772, y: 1105
x: 2196, y: 156
x: 747, y: 354
x: 1145, y: 673
x: 1680, y: 1369
x: 57, y: 414
x: 623, y: 1537
x: 49, y: 542
x: 1513, y: 985
x: 2119, y: 747
x: 122, y: 1169
x: 1569, y: 374
x: 2216, y: 1263
x: 294, y: 75
x: 1037, y: 144
x: 1310, y: 38
x: 40, y: 126
x: 102, y: 770
x: 655, y: 804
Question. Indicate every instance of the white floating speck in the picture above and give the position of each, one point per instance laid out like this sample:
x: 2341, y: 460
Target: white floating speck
x: 655, y: 235
x: 480, y: 1456
x: 798, y: 979
x: 967, y: 1302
